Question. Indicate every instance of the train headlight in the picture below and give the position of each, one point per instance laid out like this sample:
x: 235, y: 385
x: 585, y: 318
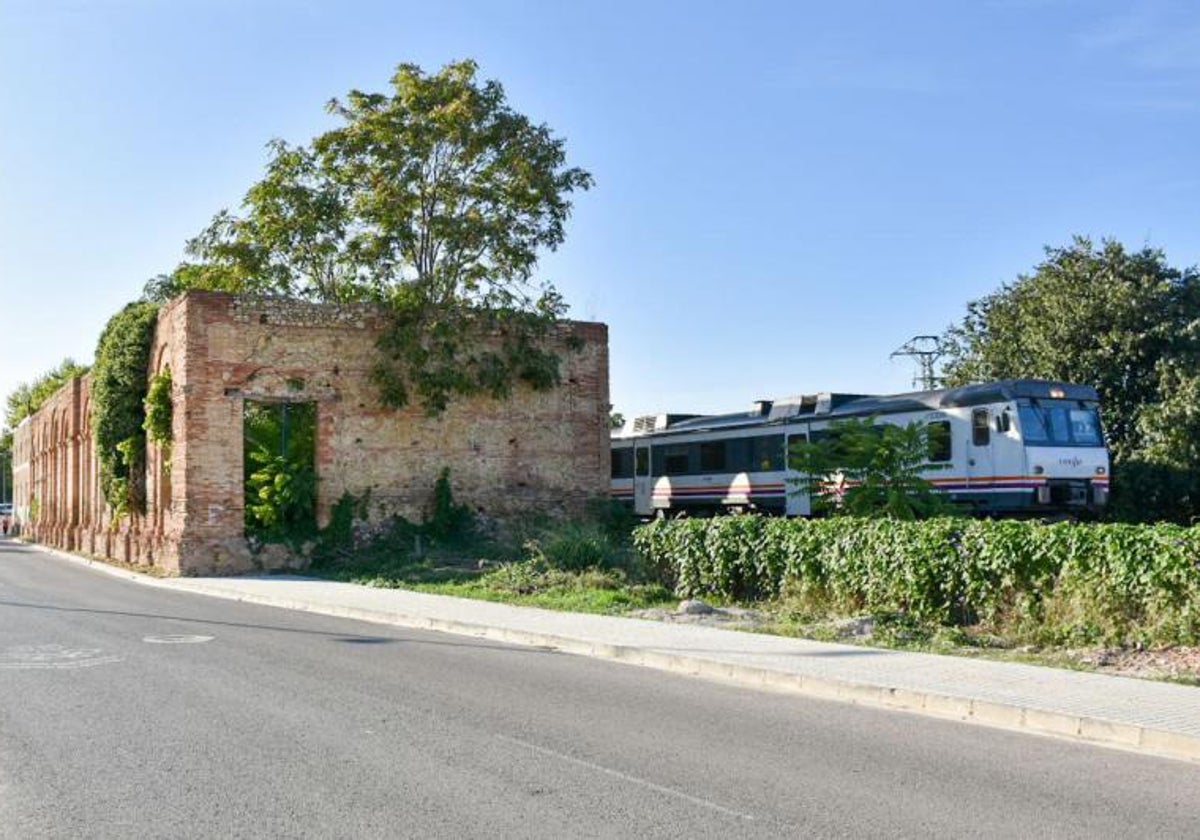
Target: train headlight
x: 1038, y: 469
x: 1100, y: 470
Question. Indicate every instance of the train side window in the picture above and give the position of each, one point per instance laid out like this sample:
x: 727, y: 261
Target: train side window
x: 940, y: 448
x: 767, y: 453
x: 981, y: 428
x: 676, y: 460
x: 622, y: 463
x: 737, y: 455
x: 712, y: 456
x: 643, y: 461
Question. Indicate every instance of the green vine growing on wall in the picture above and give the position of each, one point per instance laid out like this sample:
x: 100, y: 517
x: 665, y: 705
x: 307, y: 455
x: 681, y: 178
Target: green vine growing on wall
x: 432, y: 354
x: 119, y: 389
x: 159, y: 409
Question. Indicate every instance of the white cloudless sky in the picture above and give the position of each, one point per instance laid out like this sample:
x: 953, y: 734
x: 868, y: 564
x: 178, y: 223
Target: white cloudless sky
x: 785, y: 192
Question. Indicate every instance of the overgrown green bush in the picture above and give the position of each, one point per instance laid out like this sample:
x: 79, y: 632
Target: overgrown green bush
x: 1058, y: 583
x: 450, y: 520
x: 574, y: 546
x: 1144, y: 491
x: 281, y: 496
x: 119, y: 385
x: 280, y: 476
x: 159, y: 409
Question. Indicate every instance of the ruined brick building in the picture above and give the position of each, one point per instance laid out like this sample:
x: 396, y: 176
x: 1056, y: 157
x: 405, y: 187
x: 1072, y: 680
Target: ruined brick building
x: 536, y: 451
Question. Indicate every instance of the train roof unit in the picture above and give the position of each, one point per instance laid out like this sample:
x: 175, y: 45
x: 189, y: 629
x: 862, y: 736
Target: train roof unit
x: 840, y: 405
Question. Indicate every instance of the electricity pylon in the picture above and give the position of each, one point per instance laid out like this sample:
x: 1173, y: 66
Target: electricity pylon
x: 926, y: 349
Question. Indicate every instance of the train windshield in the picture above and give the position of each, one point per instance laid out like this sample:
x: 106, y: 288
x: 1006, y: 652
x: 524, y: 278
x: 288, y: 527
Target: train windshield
x: 1060, y: 423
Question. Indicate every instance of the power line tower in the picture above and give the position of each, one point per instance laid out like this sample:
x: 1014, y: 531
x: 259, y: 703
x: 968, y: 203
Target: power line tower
x: 926, y: 349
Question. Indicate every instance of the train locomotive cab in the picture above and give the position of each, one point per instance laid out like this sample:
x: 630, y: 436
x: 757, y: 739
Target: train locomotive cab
x: 1064, y: 451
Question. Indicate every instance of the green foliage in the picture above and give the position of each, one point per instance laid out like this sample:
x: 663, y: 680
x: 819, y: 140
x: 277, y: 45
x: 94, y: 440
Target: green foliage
x: 119, y: 386
x: 865, y: 468
x: 160, y: 409
x: 338, y: 536
x: 574, y: 546
x: 580, y: 564
x: 28, y: 397
x: 280, y: 473
x: 6, y: 475
x: 449, y: 519
x: 202, y: 276
x: 435, y: 199
x: 435, y: 352
x: 281, y: 495
x: 1127, y: 323
x: 1150, y: 491
x: 1169, y: 429
x: 1059, y: 584
x: 535, y: 583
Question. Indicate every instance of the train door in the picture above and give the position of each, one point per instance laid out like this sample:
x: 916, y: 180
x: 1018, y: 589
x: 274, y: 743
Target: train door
x: 981, y: 459
x: 643, y: 484
x: 797, y: 501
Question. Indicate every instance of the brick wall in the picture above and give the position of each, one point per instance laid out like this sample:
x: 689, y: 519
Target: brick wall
x: 537, y: 451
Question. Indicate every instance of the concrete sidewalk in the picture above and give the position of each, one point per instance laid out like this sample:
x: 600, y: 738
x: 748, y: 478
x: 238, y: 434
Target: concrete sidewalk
x: 1157, y: 718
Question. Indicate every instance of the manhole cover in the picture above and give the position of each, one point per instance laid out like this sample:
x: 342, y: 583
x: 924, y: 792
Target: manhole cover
x: 177, y: 640
x: 52, y: 657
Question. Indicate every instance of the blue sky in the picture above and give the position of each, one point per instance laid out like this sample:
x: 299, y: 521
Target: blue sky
x: 785, y: 192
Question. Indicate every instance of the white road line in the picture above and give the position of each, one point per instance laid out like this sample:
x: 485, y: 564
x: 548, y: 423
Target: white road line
x: 52, y: 658
x: 617, y: 774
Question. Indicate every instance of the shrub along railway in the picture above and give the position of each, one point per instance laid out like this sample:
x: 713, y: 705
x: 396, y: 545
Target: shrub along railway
x: 1057, y: 584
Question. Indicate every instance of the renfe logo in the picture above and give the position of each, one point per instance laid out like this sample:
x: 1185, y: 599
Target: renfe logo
x: 1073, y: 461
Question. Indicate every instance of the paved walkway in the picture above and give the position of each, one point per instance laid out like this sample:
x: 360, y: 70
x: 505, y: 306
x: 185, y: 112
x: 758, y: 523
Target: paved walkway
x: 1158, y: 718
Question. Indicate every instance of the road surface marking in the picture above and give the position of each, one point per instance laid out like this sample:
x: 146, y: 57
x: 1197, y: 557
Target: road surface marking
x: 617, y: 774
x: 52, y: 657
x: 177, y: 640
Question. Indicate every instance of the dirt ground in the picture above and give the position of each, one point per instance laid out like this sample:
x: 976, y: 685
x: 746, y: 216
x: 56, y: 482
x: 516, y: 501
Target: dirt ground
x: 1180, y: 664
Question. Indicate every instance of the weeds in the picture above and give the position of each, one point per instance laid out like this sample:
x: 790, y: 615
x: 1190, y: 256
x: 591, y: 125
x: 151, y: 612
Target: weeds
x: 585, y: 564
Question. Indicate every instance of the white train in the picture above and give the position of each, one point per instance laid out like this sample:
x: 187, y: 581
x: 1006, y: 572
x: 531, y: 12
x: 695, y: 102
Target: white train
x: 1016, y: 446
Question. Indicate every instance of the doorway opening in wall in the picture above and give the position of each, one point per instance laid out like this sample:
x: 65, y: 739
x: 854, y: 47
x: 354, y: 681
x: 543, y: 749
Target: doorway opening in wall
x: 280, y: 445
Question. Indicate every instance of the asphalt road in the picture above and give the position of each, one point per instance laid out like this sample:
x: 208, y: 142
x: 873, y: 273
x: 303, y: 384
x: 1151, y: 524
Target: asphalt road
x: 127, y: 711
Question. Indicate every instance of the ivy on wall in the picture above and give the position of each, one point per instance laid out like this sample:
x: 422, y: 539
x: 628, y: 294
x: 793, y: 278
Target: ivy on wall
x: 159, y: 409
x: 432, y: 355
x: 119, y: 390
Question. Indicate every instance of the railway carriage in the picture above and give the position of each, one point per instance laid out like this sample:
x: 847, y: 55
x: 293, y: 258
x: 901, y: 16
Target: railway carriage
x: 1009, y: 447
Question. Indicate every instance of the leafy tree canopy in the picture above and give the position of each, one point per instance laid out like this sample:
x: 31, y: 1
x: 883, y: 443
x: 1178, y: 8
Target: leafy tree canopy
x: 28, y: 397
x: 1125, y: 322
x: 437, y: 199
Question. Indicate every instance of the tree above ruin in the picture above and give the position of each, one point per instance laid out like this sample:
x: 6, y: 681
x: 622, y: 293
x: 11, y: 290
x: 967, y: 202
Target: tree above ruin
x: 436, y: 199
